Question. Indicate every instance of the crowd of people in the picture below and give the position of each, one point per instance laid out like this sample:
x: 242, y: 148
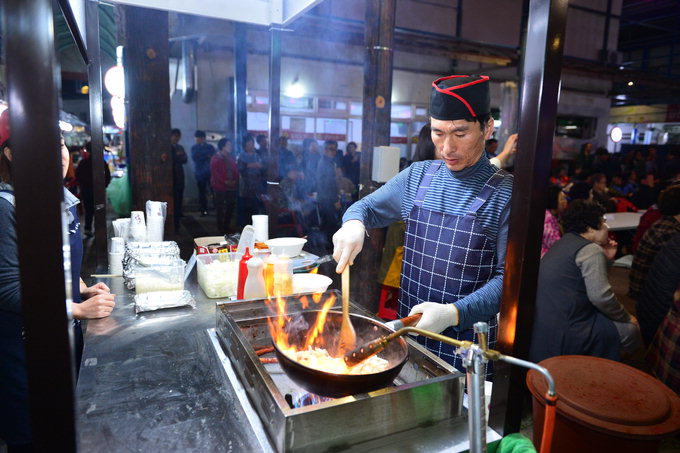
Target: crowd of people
x: 317, y: 182
x: 576, y: 309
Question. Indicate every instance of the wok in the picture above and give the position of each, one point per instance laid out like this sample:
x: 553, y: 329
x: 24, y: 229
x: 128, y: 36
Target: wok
x: 338, y: 385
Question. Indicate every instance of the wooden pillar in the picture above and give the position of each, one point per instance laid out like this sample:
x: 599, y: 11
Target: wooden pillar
x: 240, y: 79
x: 146, y: 85
x: 542, y: 61
x: 94, y: 75
x: 375, y: 127
x: 33, y: 90
x: 273, y: 189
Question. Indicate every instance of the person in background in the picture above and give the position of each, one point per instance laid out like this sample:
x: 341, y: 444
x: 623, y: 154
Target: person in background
x: 262, y: 146
x: 286, y: 157
x: 579, y: 190
x: 576, y: 310
x: 263, y: 151
x: 604, y: 164
x: 201, y: 153
x: 89, y: 302
x: 179, y: 158
x: 310, y: 157
x: 601, y: 192
x: 351, y: 163
x: 663, y: 355
x: 656, y: 237
x: 86, y: 184
x: 490, y: 146
x: 346, y: 190
x: 584, y: 160
x: 456, y: 212
x: 327, y: 189
x: 557, y: 203
x: 509, y: 150
x: 224, y: 182
x: 251, y: 169
x: 646, y: 193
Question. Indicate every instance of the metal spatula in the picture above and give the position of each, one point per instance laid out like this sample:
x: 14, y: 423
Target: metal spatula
x: 348, y: 338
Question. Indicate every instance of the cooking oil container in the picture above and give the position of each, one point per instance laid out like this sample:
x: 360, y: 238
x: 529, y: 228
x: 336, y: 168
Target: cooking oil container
x: 604, y: 406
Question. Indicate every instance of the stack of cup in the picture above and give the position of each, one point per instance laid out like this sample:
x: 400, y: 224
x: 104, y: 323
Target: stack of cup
x: 261, y: 225
x: 116, y: 254
x: 137, y: 229
x: 155, y: 220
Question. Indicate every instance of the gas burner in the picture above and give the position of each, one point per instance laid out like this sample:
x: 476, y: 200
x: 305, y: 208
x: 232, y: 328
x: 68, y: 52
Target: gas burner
x: 426, y: 391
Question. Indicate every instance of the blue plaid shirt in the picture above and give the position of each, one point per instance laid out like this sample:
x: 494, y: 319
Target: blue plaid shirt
x: 451, y: 192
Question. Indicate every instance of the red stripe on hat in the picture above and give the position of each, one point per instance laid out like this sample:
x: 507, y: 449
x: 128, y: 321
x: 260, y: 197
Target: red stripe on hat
x: 450, y: 90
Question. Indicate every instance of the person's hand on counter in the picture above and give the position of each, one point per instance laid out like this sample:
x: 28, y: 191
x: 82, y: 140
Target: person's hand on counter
x: 87, y: 292
x: 95, y: 307
x: 436, y: 317
x: 347, y: 243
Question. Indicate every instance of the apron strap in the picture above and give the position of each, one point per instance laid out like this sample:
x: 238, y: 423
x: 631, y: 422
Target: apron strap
x: 425, y: 183
x: 490, y: 186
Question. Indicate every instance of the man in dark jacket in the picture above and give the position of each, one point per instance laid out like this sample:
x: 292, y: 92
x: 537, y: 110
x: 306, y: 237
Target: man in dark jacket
x: 86, y: 184
x: 201, y: 153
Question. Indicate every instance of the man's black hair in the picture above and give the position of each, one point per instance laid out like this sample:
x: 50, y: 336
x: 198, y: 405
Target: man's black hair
x: 199, y: 133
x: 582, y: 214
x: 175, y: 131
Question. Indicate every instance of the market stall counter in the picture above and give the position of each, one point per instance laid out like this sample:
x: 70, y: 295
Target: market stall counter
x: 159, y: 381
x: 150, y: 382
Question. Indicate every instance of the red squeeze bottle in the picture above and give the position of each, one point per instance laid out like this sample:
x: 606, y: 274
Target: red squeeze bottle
x: 242, y: 273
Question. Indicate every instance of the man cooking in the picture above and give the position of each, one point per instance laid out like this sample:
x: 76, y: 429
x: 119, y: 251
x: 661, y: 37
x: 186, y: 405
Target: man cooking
x: 456, y: 212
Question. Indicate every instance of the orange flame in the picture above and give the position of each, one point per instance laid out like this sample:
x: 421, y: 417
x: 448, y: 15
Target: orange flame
x: 278, y: 322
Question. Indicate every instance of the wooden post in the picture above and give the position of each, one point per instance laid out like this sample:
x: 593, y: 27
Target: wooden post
x: 375, y: 127
x: 542, y: 62
x: 34, y: 115
x: 146, y: 84
x: 94, y: 75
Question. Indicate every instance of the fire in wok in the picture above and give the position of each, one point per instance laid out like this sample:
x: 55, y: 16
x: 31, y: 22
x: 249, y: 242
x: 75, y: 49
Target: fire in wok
x: 306, y: 344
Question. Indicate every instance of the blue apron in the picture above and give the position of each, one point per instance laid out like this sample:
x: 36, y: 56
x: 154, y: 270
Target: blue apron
x: 447, y: 257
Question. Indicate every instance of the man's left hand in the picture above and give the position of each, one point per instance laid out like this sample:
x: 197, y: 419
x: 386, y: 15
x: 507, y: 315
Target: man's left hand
x: 436, y: 317
x: 91, y: 291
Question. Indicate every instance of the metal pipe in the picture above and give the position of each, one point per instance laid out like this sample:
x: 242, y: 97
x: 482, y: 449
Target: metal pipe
x: 474, y: 367
x: 533, y: 366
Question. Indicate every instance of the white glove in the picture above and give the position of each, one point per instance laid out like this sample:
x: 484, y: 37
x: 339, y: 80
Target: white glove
x: 347, y: 243
x: 436, y: 317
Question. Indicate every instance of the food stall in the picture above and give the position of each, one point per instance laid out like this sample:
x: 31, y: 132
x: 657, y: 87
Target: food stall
x: 189, y: 378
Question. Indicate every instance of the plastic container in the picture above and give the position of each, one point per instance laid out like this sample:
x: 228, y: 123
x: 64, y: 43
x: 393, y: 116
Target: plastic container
x: 218, y: 274
x: 283, y: 276
x: 604, y: 406
x: 255, y: 287
x: 161, y: 277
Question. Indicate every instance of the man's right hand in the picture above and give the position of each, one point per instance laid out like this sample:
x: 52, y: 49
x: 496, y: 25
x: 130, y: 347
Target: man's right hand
x: 99, y: 306
x: 347, y: 243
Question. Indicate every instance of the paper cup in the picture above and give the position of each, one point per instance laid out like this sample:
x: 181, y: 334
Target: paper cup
x: 261, y: 225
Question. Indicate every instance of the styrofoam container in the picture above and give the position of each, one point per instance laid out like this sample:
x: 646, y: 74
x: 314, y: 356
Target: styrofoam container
x: 289, y: 246
x: 218, y: 273
x: 310, y: 283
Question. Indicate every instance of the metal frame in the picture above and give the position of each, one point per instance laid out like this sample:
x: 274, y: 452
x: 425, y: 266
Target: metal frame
x: 94, y: 75
x: 45, y: 270
x: 541, y: 67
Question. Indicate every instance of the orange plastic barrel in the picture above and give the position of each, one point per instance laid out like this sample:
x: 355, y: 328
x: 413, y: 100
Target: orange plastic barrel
x: 604, y: 406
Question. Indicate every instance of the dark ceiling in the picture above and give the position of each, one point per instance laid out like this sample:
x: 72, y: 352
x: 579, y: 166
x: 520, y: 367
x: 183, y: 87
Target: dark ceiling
x: 649, y: 43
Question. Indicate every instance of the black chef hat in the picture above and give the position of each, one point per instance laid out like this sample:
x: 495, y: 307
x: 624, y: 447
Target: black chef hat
x: 459, y: 97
